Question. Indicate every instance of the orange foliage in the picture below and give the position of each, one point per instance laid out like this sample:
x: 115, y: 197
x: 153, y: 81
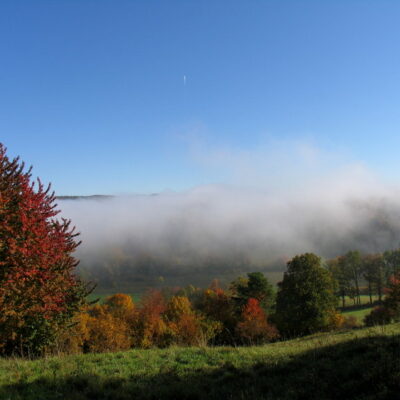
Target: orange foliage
x: 150, y: 329
x: 100, y: 328
x: 121, y: 306
x: 336, y: 320
x: 188, y: 328
x: 72, y: 340
x: 104, y: 332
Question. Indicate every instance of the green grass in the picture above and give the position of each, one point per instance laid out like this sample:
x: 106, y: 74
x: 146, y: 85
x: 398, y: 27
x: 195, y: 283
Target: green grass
x: 359, y: 364
x: 359, y: 314
x: 364, y: 298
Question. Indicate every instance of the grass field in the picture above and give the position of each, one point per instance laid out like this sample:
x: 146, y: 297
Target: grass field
x: 358, y: 364
x: 359, y: 314
x: 363, y: 298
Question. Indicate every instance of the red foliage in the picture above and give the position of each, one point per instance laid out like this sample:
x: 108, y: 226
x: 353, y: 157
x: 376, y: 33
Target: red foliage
x: 254, y: 327
x: 378, y: 316
x: 150, y: 328
x: 36, y: 267
x: 392, y: 299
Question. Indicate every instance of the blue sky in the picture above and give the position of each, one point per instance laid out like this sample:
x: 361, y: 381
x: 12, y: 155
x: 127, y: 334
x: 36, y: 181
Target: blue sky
x: 92, y: 93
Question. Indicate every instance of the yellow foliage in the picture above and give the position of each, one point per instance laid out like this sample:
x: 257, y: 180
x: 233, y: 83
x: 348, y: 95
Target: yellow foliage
x: 120, y: 306
x: 71, y: 340
x: 107, y: 333
x: 178, y: 306
x: 96, y: 330
x: 336, y: 320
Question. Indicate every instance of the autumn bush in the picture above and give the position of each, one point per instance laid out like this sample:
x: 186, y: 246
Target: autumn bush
x: 72, y: 339
x: 218, y: 305
x: 150, y: 328
x: 335, y: 320
x: 390, y: 309
x: 253, y: 327
x: 378, y: 316
x: 97, y: 329
x: 392, y: 298
x: 189, y: 327
x: 350, y: 322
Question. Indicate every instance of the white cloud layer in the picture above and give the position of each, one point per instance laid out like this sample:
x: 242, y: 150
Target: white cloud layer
x: 282, y: 199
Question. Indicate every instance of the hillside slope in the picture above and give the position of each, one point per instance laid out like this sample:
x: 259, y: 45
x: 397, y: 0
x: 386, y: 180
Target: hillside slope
x: 358, y: 364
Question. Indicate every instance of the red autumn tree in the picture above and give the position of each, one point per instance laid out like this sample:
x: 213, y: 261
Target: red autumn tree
x: 392, y: 300
x: 254, y: 327
x: 150, y: 328
x: 39, y: 292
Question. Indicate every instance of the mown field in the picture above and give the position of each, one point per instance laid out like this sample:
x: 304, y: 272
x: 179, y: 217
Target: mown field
x: 358, y: 364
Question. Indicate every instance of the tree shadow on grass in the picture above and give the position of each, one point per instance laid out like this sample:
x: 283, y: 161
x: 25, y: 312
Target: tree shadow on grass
x: 362, y: 369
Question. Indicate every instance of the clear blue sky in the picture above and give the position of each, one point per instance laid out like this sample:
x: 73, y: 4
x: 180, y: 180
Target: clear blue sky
x: 92, y: 93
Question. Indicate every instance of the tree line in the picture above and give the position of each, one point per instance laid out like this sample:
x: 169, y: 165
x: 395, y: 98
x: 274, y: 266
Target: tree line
x: 353, y: 270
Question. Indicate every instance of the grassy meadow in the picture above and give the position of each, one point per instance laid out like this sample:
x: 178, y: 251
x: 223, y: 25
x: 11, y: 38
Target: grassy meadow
x: 357, y: 364
x: 359, y: 314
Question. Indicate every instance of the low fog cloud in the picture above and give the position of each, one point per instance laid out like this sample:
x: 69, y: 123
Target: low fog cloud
x: 279, y: 201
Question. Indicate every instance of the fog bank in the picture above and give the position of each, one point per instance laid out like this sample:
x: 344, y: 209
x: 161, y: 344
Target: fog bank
x: 236, y: 225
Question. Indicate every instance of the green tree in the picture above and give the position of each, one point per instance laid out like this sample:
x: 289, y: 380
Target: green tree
x: 373, y: 267
x: 256, y: 286
x: 336, y: 267
x: 352, y: 266
x: 392, y: 264
x: 306, y: 297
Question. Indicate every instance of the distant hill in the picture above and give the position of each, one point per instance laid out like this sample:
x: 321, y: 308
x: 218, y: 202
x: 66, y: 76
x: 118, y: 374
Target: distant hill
x: 92, y: 197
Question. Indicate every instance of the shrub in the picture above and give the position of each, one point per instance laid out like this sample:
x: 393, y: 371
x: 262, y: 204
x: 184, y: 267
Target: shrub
x: 378, y: 316
x: 392, y: 299
x: 336, y: 320
x: 73, y: 339
x: 219, y: 307
x: 149, y: 328
x: 188, y: 327
x: 350, y: 322
x: 254, y: 327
